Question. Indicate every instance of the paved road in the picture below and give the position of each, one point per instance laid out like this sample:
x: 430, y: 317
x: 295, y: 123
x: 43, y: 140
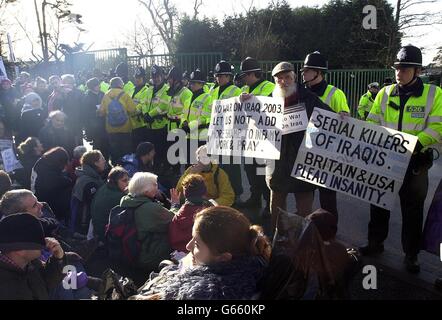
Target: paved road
x: 352, y: 229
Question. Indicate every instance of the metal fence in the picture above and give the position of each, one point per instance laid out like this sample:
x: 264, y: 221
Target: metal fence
x: 103, y: 60
x: 205, y: 61
x: 354, y: 82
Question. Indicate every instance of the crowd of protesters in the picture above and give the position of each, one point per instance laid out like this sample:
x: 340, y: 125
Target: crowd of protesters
x: 124, y: 204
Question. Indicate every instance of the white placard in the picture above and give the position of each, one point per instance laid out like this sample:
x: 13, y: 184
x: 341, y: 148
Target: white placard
x: 252, y: 128
x: 354, y: 157
x: 10, y: 162
x: 295, y: 119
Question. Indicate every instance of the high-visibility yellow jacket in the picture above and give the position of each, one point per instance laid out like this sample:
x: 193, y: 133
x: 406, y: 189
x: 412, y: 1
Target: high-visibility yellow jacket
x: 365, y: 104
x: 198, y: 116
x: 104, y: 86
x: 229, y: 92
x: 265, y: 88
x: 178, y: 103
x: 335, y: 99
x: 157, y: 106
x: 421, y: 116
x: 139, y: 99
x: 129, y: 88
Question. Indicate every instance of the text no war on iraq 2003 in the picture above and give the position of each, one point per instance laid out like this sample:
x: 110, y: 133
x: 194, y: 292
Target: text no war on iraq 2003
x: 252, y: 128
x: 354, y: 157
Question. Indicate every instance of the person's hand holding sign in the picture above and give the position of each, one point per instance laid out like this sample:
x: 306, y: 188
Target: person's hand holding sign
x: 245, y: 96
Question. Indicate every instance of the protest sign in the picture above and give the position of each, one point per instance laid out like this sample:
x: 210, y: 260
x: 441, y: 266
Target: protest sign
x: 295, y: 119
x: 10, y: 162
x: 354, y: 157
x: 252, y: 128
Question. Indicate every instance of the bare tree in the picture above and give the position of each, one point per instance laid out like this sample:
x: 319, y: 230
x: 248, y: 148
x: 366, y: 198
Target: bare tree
x: 60, y: 11
x: 142, y: 39
x: 165, y: 17
x: 196, y: 8
x: 408, y: 14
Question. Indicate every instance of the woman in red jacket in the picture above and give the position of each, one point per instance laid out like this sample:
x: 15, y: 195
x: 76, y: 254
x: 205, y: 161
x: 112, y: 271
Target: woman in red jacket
x: 195, y: 193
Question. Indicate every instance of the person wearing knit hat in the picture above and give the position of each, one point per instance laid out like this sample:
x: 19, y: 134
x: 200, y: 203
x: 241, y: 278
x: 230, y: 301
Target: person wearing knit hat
x: 195, y: 194
x: 21, y: 242
x: 21, y: 231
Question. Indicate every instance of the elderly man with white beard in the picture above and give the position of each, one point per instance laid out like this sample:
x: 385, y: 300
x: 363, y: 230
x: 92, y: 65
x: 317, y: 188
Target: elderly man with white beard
x: 280, y: 181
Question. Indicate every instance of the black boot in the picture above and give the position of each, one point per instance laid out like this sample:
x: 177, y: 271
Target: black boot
x: 411, y: 264
x: 372, y: 249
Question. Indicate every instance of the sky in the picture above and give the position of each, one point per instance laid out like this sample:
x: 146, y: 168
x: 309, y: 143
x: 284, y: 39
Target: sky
x: 107, y: 21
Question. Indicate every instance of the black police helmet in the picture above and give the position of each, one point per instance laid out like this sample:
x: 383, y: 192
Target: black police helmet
x: 197, y: 76
x: 223, y: 67
x: 186, y: 75
x: 175, y: 74
x: 156, y: 70
x: 140, y: 73
x: 408, y: 56
x: 249, y: 65
x: 315, y: 60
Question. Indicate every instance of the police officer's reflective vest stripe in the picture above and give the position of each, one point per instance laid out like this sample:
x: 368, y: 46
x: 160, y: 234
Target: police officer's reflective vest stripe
x: 229, y: 92
x: 335, y: 99
x: 140, y: 99
x: 422, y: 116
x: 157, y: 106
x: 199, y: 114
x: 178, y: 104
x: 265, y: 88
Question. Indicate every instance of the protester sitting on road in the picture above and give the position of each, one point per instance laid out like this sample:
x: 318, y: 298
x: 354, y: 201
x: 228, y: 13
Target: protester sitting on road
x: 78, y: 152
x: 23, y: 276
x: 108, y: 196
x: 180, y: 229
x: 341, y: 264
x: 228, y: 258
x: 32, y: 117
x: 151, y: 221
x: 217, y: 182
x: 51, y: 184
x: 88, y: 181
x: 141, y: 160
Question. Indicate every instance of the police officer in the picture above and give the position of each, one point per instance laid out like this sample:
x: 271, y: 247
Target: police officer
x: 416, y: 108
x: 181, y: 97
x: 122, y: 71
x: 313, y: 74
x: 139, y: 96
x: 366, y: 101
x: 196, y: 118
x: 251, y: 74
x: 225, y: 90
x: 155, y: 114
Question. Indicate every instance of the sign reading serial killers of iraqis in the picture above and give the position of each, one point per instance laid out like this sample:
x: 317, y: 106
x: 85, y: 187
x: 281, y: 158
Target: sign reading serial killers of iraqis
x: 252, y: 128
x: 354, y: 157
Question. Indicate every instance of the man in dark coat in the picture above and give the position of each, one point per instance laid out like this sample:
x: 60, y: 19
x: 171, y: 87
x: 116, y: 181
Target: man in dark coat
x: 280, y: 181
x: 22, y: 275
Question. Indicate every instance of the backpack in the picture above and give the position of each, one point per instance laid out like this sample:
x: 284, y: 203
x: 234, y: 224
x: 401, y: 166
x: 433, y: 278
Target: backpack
x: 116, y: 114
x: 121, y: 235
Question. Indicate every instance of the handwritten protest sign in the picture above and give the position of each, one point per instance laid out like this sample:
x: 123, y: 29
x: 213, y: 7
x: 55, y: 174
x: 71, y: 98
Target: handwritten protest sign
x: 354, y: 157
x: 252, y: 128
x: 10, y: 162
